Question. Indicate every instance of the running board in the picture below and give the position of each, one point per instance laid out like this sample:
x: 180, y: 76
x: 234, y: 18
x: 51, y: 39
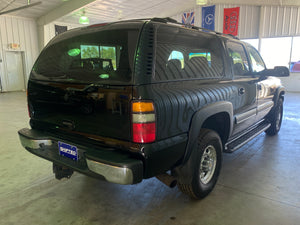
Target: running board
x: 238, y: 142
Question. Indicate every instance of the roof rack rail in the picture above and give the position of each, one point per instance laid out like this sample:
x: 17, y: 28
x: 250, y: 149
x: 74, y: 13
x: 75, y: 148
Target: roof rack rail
x: 170, y: 20
x: 164, y: 20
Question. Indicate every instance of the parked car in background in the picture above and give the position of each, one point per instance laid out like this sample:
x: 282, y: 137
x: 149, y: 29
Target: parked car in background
x: 295, y: 67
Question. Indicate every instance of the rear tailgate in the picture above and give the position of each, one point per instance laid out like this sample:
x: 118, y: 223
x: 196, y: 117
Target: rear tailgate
x: 100, y: 110
x: 82, y: 81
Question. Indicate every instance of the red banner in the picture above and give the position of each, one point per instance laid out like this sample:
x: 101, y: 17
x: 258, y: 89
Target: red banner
x: 231, y: 21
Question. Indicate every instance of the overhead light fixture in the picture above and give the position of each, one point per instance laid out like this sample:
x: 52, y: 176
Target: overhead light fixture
x: 84, y: 19
x: 120, y: 14
x: 201, y: 2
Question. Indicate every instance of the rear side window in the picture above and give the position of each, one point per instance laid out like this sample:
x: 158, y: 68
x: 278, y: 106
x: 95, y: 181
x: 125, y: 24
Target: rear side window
x: 104, y: 56
x: 185, y: 54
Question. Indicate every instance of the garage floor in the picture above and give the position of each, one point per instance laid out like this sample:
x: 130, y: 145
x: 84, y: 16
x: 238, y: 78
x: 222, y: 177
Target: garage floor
x: 259, y: 184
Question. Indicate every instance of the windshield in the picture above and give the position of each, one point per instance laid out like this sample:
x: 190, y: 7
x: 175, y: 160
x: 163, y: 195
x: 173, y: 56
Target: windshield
x: 100, y: 57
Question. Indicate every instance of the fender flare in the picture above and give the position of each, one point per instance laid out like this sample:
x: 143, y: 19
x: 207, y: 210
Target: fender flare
x: 279, y: 92
x: 198, y: 119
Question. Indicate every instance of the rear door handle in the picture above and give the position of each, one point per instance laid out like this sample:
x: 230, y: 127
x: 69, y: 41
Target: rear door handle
x: 241, y: 91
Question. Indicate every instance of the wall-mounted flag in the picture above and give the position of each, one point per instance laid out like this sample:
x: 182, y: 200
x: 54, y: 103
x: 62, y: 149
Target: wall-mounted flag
x: 208, y: 17
x: 188, y: 18
x: 231, y: 21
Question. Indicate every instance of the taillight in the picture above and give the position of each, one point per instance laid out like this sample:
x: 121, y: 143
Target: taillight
x: 143, y: 122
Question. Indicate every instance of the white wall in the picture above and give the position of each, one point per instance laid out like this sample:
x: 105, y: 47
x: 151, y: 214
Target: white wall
x: 280, y: 21
x: 20, y: 31
x: 291, y: 83
x: 23, y: 31
x: 271, y: 21
x: 248, y: 20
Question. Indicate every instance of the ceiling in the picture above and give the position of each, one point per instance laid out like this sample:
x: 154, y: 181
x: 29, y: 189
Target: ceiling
x: 112, y: 10
x: 33, y: 12
x: 99, y: 11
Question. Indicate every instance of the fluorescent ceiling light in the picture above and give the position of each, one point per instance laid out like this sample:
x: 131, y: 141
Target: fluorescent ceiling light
x: 84, y: 20
x: 201, y: 2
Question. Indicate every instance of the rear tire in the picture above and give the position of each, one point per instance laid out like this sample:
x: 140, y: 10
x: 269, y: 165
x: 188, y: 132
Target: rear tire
x: 276, y: 119
x: 205, y: 165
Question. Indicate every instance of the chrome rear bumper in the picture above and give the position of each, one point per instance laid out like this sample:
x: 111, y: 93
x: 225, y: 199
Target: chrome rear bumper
x: 112, y: 174
x: 113, y: 166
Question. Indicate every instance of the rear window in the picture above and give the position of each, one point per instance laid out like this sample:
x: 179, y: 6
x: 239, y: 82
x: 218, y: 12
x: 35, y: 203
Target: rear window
x: 99, y: 57
x: 185, y: 54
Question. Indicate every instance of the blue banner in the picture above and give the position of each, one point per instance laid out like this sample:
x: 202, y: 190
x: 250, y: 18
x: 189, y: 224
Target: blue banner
x: 208, y: 17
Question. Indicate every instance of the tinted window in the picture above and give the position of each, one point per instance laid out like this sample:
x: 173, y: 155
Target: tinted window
x: 183, y: 54
x: 238, y: 58
x: 105, y: 56
x: 177, y: 55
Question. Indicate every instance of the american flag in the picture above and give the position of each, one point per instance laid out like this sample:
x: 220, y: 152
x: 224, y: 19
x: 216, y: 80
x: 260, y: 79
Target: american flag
x: 188, y: 18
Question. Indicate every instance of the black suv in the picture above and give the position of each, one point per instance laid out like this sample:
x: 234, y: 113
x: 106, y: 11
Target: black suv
x: 131, y: 100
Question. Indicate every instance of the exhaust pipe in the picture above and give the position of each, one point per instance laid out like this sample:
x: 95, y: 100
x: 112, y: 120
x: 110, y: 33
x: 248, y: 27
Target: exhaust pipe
x: 167, y: 179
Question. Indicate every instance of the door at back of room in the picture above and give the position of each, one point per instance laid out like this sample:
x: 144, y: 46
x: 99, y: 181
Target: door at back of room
x: 15, y: 71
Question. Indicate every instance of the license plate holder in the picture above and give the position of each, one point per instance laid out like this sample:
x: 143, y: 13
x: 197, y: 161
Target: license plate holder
x: 68, y: 150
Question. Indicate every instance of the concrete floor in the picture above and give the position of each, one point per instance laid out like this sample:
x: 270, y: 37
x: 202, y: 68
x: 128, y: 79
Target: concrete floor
x: 259, y: 184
